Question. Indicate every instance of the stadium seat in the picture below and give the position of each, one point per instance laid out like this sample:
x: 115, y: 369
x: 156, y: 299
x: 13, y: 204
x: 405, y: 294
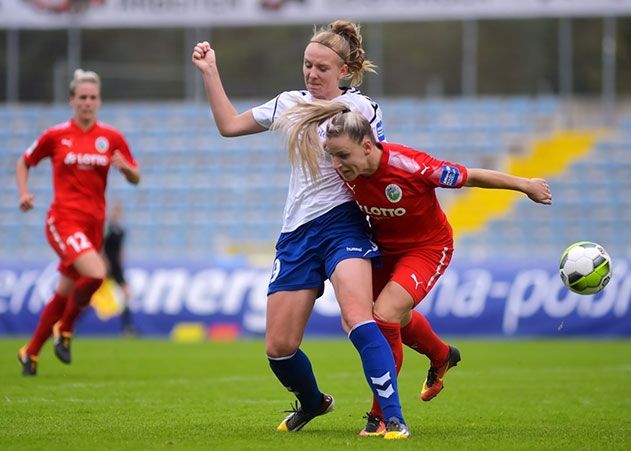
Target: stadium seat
x: 202, y: 193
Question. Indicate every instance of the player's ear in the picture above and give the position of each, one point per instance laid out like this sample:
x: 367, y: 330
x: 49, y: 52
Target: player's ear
x: 344, y: 71
x: 367, y: 146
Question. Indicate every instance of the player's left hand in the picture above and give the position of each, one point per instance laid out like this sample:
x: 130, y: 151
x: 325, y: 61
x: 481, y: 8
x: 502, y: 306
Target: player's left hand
x: 118, y: 160
x: 539, y: 191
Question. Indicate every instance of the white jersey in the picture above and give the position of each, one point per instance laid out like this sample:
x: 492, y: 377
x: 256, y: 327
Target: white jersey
x: 306, y: 199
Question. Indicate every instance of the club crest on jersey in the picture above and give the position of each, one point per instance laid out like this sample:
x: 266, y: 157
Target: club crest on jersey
x: 101, y: 144
x: 394, y: 193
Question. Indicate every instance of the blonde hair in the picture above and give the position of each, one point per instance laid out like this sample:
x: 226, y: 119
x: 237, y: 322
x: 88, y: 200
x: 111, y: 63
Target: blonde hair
x: 83, y: 76
x: 345, y: 39
x: 300, y: 128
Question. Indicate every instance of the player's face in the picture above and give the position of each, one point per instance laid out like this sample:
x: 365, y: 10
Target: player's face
x: 349, y: 159
x: 86, y: 102
x: 322, y: 69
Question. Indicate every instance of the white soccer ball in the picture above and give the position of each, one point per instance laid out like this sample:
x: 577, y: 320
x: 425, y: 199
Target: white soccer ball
x: 585, y: 267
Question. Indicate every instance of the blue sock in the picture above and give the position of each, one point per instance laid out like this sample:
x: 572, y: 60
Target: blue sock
x: 379, y: 368
x: 296, y: 375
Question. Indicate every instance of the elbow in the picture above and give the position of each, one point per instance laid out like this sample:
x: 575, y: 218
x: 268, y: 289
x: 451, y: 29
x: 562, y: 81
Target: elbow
x: 232, y: 128
x: 227, y: 132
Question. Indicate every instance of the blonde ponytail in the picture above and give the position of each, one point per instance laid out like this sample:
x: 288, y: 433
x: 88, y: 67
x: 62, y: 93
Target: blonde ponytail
x: 299, y: 126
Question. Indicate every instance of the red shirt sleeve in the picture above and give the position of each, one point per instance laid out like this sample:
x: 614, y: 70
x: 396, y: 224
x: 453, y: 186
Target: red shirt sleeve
x: 439, y: 173
x: 41, y: 148
x: 124, y: 149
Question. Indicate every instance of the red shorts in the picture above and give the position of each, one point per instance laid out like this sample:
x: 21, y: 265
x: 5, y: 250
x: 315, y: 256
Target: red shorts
x: 70, y: 238
x: 417, y: 271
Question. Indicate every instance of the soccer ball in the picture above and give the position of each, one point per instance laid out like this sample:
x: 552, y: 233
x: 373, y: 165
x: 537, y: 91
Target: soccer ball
x: 585, y: 267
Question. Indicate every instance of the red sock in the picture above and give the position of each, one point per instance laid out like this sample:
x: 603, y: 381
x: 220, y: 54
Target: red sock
x: 392, y: 332
x: 50, y: 315
x: 69, y: 318
x: 79, y: 299
x: 419, y: 335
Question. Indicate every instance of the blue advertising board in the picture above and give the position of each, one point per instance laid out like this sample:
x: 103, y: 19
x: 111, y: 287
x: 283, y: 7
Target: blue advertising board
x: 500, y: 299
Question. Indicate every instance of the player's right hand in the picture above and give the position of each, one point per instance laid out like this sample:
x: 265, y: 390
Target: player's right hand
x: 27, y: 201
x: 203, y: 55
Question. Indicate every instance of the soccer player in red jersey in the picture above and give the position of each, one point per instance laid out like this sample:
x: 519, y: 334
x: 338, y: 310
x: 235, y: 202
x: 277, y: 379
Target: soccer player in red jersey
x: 394, y: 186
x: 81, y: 151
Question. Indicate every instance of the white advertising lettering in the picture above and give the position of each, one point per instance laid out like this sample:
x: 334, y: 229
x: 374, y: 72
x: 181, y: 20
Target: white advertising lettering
x: 205, y: 290
x: 382, y: 211
x: 85, y: 159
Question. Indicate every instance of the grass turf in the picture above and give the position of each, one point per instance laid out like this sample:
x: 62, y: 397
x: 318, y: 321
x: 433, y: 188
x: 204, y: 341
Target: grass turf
x: 151, y: 394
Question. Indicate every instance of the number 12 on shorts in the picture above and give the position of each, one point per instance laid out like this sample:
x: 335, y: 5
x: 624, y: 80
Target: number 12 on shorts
x: 78, y: 241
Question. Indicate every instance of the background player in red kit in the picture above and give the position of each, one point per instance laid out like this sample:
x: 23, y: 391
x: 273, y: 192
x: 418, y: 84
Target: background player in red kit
x: 81, y: 151
x: 395, y: 186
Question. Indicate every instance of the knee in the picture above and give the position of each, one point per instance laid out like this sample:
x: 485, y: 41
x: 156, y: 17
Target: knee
x: 84, y: 288
x: 97, y: 269
x: 386, y: 313
x: 355, y: 307
x: 100, y: 271
x: 276, y: 347
x: 356, y: 312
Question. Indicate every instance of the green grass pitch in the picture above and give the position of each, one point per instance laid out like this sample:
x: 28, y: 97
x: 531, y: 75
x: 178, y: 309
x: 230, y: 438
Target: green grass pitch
x: 153, y: 394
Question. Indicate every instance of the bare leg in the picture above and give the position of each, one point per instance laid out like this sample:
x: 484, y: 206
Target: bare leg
x: 287, y: 316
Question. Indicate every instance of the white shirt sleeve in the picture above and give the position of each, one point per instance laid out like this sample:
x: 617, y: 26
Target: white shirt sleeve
x: 370, y: 109
x: 267, y: 113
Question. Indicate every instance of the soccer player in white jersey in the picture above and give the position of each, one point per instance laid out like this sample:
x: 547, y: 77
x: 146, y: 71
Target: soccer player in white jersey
x: 324, y: 234
x: 395, y: 186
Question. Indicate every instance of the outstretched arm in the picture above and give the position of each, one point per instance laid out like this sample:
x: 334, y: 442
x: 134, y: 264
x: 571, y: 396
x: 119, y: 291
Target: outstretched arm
x: 228, y: 120
x: 26, y: 199
x: 536, y: 189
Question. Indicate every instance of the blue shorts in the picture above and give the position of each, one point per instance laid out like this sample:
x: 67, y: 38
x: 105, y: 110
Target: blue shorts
x: 306, y: 257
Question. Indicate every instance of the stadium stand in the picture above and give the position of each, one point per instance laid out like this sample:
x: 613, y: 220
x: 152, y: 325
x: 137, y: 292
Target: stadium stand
x: 204, y: 196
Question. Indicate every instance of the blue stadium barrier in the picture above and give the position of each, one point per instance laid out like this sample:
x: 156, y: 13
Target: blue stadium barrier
x: 499, y: 299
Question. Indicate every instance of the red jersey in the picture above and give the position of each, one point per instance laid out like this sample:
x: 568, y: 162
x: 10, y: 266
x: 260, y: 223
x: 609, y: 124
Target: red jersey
x: 401, y: 202
x: 81, y: 161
